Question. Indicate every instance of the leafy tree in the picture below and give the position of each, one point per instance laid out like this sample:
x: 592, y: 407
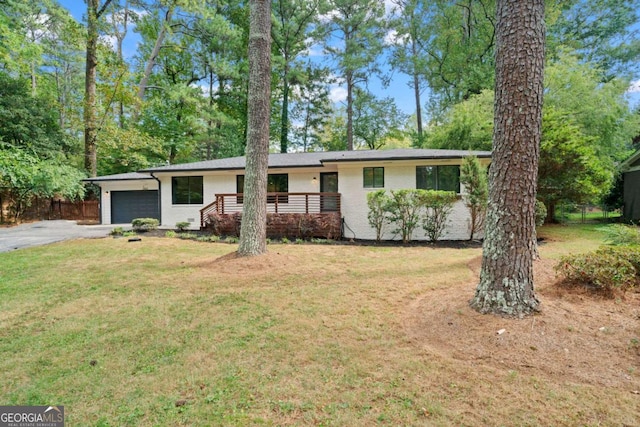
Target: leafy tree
x: 506, y: 277
x: 253, y: 231
x: 600, y: 109
x: 127, y: 150
x: 408, y: 50
x: 23, y: 177
x: 358, y: 26
x: 311, y: 108
x: 376, y: 120
x: 569, y: 169
x: 333, y: 136
x: 468, y: 125
x: 600, y: 32
x: 459, y: 39
x: 29, y: 122
x: 473, y: 177
x: 290, y: 32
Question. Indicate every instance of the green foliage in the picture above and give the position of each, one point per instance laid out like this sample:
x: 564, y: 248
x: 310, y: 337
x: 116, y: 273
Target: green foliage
x: 117, y: 231
x: 570, y: 168
x: 170, y: 234
x: 145, y: 224
x: 403, y: 210
x: 622, y: 235
x: 604, y: 270
x: 377, y: 202
x: 541, y: 213
x: 126, y: 150
x: 23, y: 177
x: 182, y: 225
x: 376, y: 121
x: 473, y: 176
x: 438, y: 206
x: 467, y: 125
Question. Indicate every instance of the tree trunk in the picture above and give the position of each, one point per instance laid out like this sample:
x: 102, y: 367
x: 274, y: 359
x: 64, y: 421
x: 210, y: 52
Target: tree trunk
x: 416, y: 90
x: 253, y: 231
x: 284, y: 131
x: 90, y: 131
x: 349, y: 75
x: 506, y: 278
x: 154, y: 54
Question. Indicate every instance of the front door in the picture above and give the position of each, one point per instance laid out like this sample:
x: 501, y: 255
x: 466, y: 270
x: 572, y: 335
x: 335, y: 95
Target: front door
x: 329, y: 184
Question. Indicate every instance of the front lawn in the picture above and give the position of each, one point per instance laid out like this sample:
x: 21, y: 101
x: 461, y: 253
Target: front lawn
x: 182, y: 333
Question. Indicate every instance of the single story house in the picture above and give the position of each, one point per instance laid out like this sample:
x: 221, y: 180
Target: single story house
x: 631, y: 190
x: 321, y: 184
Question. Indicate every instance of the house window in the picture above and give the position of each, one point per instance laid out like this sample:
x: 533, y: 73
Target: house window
x: 186, y: 190
x: 444, y: 178
x: 373, y: 177
x: 276, y: 183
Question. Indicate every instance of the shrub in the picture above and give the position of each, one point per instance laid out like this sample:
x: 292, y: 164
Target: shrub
x: 117, y: 231
x: 438, y: 206
x: 145, y: 224
x: 182, y: 225
x: 476, y: 192
x: 605, y: 269
x: 541, y: 213
x: 620, y: 234
x: 170, y: 234
x: 377, y: 202
x: 404, y: 211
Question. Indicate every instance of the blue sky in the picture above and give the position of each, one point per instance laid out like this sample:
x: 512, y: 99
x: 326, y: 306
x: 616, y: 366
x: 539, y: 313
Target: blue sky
x: 398, y: 88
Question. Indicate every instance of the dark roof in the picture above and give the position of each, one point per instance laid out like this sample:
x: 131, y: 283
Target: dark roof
x: 316, y: 159
x: 631, y: 162
x: 131, y: 176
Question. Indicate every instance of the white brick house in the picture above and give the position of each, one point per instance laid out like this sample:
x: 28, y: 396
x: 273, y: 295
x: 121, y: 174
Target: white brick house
x: 185, y: 192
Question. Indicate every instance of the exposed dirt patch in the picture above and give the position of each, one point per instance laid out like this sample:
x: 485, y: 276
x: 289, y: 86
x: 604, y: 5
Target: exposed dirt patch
x: 576, y: 337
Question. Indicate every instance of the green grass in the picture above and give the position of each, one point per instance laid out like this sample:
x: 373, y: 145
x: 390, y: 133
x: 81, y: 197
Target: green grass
x: 159, y: 333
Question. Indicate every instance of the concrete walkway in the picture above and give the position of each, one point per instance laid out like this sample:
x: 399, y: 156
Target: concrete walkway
x: 46, y: 232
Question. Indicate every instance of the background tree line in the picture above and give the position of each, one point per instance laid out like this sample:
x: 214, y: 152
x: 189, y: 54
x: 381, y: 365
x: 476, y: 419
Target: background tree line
x: 75, y: 100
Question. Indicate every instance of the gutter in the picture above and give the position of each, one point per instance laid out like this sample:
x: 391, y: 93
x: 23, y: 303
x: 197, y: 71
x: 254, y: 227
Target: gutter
x: 159, y: 196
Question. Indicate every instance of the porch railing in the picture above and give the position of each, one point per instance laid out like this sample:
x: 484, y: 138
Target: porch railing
x: 230, y: 203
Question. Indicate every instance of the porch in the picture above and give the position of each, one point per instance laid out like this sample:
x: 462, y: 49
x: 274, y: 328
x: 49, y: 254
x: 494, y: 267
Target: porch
x: 296, y: 215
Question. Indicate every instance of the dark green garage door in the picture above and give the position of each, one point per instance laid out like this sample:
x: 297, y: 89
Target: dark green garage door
x: 127, y: 205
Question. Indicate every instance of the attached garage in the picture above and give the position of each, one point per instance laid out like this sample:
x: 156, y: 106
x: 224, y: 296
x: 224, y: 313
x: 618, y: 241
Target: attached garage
x: 127, y: 205
x: 126, y: 196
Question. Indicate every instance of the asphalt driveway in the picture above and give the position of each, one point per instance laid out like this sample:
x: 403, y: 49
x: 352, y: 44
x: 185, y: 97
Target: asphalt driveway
x: 46, y: 232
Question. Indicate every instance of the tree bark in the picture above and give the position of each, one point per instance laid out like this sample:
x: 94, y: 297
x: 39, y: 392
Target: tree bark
x: 349, y: 78
x: 154, y: 55
x: 253, y: 231
x: 506, y: 277
x: 284, y: 130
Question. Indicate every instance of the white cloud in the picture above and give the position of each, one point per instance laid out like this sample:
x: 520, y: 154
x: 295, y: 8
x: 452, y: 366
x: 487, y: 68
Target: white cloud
x: 337, y: 94
x: 634, y: 87
x: 391, y: 8
x: 392, y: 39
x: 313, y: 49
x: 111, y: 41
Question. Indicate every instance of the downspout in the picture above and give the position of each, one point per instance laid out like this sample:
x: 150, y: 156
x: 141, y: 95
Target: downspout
x: 159, y: 196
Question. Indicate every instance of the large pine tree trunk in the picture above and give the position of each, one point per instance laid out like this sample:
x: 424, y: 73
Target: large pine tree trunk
x: 506, y: 278
x: 94, y: 11
x: 253, y: 231
x: 90, y: 130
